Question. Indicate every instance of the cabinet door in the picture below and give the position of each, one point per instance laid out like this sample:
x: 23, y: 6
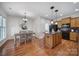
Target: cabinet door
x: 59, y: 23
x: 48, y: 41
x: 65, y: 20
x: 73, y: 24
x: 73, y: 36
x: 54, y: 40
x: 77, y: 22
x: 59, y: 38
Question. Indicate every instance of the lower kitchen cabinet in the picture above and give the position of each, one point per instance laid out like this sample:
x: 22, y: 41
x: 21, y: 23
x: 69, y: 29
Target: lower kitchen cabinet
x: 51, y: 40
x: 73, y: 36
x: 48, y: 41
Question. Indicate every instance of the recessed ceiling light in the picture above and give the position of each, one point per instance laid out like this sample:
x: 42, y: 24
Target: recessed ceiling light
x: 56, y: 10
x: 76, y: 9
x: 52, y: 7
x: 61, y: 14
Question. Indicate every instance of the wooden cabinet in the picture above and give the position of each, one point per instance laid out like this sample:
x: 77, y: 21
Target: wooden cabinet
x: 73, y: 22
x: 73, y: 36
x: 51, y: 40
x: 77, y: 22
x: 59, y: 38
x: 66, y: 20
x: 48, y: 41
x: 59, y: 23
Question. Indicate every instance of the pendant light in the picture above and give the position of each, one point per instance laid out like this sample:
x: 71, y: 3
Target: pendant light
x: 56, y: 16
x: 52, y: 22
x: 52, y: 8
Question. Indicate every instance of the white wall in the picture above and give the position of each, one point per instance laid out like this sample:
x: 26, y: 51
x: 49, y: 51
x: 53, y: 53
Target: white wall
x: 37, y: 25
x: 13, y: 26
x: 2, y: 13
x: 14, y: 23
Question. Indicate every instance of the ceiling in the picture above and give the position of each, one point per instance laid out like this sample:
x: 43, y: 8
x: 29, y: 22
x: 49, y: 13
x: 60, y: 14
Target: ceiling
x: 34, y: 9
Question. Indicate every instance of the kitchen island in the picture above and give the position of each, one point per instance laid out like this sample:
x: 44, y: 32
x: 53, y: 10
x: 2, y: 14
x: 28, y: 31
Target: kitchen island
x: 52, y: 40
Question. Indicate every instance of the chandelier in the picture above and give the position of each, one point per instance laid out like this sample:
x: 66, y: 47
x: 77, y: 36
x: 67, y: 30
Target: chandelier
x: 25, y: 18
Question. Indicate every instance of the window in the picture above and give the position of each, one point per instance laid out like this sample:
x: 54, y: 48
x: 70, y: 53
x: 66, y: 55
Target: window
x: 2, y: 28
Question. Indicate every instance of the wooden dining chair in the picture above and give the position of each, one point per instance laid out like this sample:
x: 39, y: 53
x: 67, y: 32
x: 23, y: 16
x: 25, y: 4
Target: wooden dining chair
x: 19, y: 39
x: 23, y: 38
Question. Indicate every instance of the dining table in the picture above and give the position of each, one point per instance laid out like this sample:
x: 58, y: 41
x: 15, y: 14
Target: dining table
x: 23, y: 37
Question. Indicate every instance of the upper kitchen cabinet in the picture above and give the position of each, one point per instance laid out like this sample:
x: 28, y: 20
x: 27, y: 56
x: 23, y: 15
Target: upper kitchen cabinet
x: 66, y: 20
x: 77, y: 21
x: 59, y: 23
x: 73, y: 22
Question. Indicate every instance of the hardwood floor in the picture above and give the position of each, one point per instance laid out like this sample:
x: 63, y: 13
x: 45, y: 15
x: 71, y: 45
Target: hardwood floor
x: 36, y: 48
